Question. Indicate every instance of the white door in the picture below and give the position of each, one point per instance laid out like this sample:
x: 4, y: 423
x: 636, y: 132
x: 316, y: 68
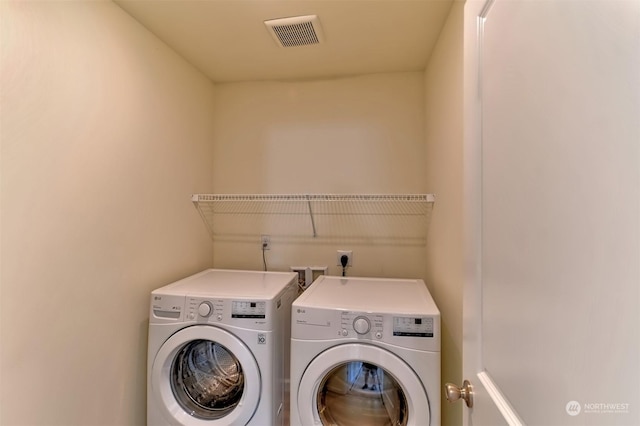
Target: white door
x: 552, y: 163
x: 203, y: 375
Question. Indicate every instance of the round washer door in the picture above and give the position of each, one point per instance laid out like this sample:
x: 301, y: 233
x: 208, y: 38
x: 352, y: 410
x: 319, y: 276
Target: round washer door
x: 204, y: 375
x: 361, y: 384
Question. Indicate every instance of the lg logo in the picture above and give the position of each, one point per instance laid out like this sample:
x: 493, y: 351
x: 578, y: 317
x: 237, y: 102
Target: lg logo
x: 573, y: 408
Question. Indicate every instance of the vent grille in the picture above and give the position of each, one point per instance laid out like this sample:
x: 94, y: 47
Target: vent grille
x: 295, y: 31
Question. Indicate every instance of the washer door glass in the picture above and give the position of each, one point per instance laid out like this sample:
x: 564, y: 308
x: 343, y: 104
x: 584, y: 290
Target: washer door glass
x: 207, y: 379
x: 362, y: 394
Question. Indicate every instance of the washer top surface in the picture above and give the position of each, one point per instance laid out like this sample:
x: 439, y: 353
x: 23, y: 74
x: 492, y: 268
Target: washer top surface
x: 230, y: 283
x: 384, y: 295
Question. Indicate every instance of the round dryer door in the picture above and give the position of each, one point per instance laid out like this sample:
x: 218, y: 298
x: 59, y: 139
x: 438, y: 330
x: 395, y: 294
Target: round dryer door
x: 356, y: 384
x: 205, y: 375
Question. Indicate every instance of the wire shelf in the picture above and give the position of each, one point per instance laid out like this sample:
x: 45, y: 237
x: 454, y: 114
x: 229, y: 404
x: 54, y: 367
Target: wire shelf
x: 367, y: 218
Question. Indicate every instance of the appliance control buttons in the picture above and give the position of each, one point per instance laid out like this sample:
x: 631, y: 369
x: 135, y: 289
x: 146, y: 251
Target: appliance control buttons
x: 364, y: 324
x: 204, y: 309
x: 219, y: 317
x: 361, y: 325
x: 345, y: 332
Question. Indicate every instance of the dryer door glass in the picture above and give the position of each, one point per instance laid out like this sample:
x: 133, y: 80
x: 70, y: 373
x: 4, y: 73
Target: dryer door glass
x: 362, y: 394
x: 207, y: 379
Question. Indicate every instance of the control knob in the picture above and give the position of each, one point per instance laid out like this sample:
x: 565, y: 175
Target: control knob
x: 361, y: 325
x: 204, y: 309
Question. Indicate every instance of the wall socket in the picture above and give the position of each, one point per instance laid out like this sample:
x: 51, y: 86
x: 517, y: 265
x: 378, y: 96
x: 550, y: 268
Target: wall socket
x: 348, y: 253
x: 265, y: 242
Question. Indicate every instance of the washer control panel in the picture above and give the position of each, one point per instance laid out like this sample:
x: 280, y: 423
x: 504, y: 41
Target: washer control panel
x: 361, y: 324
x: 413, y: 326
x: 209, y: 308
x: 248, y: 309
x: 227, y: 311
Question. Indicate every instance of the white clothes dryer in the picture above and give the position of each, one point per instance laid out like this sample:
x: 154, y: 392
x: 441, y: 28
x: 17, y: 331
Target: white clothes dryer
x: 217, y: 346
x: 365, y: 351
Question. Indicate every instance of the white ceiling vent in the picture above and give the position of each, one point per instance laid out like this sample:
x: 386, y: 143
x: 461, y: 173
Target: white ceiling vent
x: 296, y: 31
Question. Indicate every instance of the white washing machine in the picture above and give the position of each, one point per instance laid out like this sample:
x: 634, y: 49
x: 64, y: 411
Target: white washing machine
x: 365, y: 351
x: 218, y: 342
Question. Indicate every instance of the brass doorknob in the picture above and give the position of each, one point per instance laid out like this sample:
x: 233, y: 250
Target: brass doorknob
x: 454, y: 393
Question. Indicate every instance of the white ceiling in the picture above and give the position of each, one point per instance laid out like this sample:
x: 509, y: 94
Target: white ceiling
x: 228, y: 41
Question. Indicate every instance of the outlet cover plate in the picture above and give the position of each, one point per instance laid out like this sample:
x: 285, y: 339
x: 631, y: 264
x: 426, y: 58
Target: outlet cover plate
x: 348, y: 253
x: 265, y: 242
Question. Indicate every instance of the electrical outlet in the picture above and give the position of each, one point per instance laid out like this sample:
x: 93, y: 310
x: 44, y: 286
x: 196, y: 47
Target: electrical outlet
x: 347, y: 253
x: 266, y: 242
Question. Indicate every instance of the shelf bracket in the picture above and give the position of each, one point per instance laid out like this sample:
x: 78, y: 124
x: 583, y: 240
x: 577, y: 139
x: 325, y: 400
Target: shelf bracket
x: 313, y: 223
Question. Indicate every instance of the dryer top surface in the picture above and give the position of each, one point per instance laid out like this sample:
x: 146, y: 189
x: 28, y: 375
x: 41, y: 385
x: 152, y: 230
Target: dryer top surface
x: 231, y: 283
x: 383, y: 295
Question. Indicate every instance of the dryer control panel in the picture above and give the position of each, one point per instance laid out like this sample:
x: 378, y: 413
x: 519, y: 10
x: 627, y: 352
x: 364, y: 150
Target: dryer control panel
x: 409, y: 330
x: 364, y: 323
x: 361, y: 324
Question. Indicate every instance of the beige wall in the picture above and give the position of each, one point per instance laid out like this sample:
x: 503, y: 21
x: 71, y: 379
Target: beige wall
x: 105, y: 134
x: 348, y: 135
x: 351, y: 135
x: 444, y: 169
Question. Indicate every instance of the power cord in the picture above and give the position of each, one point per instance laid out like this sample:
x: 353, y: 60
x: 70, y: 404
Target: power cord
x: 344, y: 260
x: 264, y: 259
